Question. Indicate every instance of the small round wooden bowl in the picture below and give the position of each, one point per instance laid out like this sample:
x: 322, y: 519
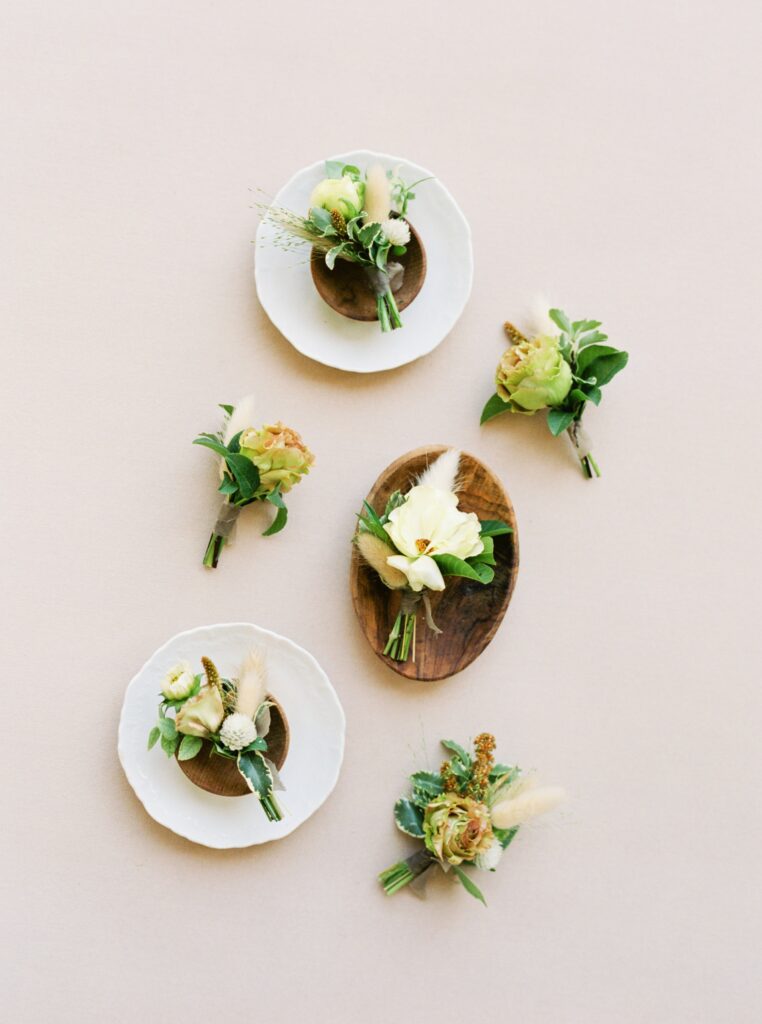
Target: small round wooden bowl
x: 346, y: 288
x: 467, y: 612
x: 220, y: 775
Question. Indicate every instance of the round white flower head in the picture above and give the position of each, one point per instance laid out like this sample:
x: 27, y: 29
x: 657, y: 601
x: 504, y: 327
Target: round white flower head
x: 396, y: 230
x: 490, y: 859
x: 429, y: 523
x: 178, y: 682
x: 238, y: 731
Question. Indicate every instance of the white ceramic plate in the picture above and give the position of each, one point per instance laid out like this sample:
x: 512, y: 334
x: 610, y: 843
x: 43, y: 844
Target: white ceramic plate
x: 315, y: 718
x: 285, y: 288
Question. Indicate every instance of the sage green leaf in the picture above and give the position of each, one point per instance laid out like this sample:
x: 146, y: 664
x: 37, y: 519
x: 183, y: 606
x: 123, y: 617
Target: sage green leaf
x: 153, y: 736
x: 409, y: 818
x: 334, y: 168
x: 189, y: 747
x: 560, y: 319
x: 494, y: 528
x: 585, y: 325
x: 450, y: 565
x: 253, y: 768
x: 593, y: 338
x: 169, y: 745
x: 281, y: 516
x: 494, y: 407
x: 427, y: 783
x: 558, y: 421
x: 602, y: 362
x: 468, y: 884
x: 320, y: 218
x: 459, y: 752
x: 167, y: 728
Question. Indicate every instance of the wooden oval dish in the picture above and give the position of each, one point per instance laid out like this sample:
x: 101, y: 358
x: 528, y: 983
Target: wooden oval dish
x: 467, y: 612
x: 220, y: 775
x: 346, y: 289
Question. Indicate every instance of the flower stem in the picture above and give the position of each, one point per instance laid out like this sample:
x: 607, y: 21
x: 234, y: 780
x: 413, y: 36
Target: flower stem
x: 213, y: 549
x: 401, y: 637
x: 403, y: 873
x: 589, y: 466
x: 271, y: 808
x: 383, y: 313
x: 394, y: 313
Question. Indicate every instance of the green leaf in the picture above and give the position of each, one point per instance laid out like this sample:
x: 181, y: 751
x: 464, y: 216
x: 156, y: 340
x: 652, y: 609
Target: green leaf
x: 167, y: 728
x: 153, y: 736
x: 409, y: 818
x: 373, y: 524
x: 494, y: 528
x: 169, y: 745
x: 333, y: 168
x: 258, y: 744
x: 505, y: 835
x: 561, y: 320
x: 229, y: 409
x: 428, y: 784
x: 450, y: 565
x: 396, y: 498
x: 459, y: 751
x: 281, y: 516
x: 468, y: 884
x: 559, y: 420
x: 602, y: 362
x: 210, y: 441
x: 585, y: 325
x: 486, y: 557
x: 228, y: 485
x: 332, y: 255
x: 320, y: 218
x: 253, y: 768
x: 189, y: 747
x: 494, y: 407
x: 591, y: 339
x: 246, y: 475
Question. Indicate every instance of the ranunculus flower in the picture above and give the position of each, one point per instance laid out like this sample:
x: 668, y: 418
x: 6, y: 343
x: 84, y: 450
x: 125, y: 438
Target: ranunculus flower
x: 457, y: 828
x: 178, y: 682
x: 201, y: 715
x: 279, y: 454
x: 341, y: 194
x: 533, y: 375
x: 429, y: 523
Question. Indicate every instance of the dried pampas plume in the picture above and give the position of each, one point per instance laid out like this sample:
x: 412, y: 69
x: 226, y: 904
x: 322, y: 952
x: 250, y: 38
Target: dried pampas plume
x: 252, y: 684
x: 513, y: 811
x: 377, y: 195
x: 241, y: 417
x: 375, y: 553
x: 443, y: 472
x: 538, y: 322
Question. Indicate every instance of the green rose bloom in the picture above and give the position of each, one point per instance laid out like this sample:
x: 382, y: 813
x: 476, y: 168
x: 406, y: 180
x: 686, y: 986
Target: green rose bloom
x: 279, y: 454
x: 533, y: 375
x: 341, y: 194
x: 457, y: 828
x: 201, y: 715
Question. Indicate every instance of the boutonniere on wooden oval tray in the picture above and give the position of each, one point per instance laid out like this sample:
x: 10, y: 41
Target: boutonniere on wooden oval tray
x: 242, y: 712
x: 434, y: 562
x: 382, y: 246
x: 558, y: 365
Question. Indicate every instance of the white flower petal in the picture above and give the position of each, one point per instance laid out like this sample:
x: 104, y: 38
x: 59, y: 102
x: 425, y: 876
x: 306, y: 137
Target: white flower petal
x: 421, y: 572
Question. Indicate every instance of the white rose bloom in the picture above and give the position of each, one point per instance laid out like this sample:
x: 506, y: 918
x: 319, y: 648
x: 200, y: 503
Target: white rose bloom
x: 430, y: 523
x: 178, y: 682
x: 238, y: 731
x: 396, y: 230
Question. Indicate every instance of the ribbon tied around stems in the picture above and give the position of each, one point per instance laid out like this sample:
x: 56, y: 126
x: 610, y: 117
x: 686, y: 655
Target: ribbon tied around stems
x: 580, y: 440
x: 227, y: 517
x: 381, y: 281
x: 409, y: 606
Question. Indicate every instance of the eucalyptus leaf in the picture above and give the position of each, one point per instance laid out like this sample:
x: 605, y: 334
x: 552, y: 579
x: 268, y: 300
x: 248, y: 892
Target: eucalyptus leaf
x: 494, y: 407
x: 409, y: 818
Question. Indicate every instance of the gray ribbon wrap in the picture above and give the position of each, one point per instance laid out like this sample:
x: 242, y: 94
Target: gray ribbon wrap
x: 580, y: 439
x: 382, y: 280
x: 410, y: 602
x: 227, y: 518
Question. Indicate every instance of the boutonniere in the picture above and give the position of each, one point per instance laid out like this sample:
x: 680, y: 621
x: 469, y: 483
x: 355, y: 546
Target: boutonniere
x: 256, y: 464
x: 560, y: 366
x: 229, y: 736
x: 420, y: 539
x: 465, y: 815
x: 360, y: 218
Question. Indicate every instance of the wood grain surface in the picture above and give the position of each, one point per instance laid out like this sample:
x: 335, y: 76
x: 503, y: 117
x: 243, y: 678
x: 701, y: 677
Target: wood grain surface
x: 220, y: 775
x: 467, y: 612
x: 346, y: 289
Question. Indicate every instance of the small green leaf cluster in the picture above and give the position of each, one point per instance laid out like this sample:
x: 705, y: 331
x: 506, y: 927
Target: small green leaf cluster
x: 165, y: 730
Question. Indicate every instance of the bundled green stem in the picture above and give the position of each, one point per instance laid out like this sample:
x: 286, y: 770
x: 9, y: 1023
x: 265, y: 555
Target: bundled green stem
x: 590, y: 467
x: 388, y: 313
x: 271, y: 808
x: 213, y: 550
x: 405, y: 871
x: 402, y: 636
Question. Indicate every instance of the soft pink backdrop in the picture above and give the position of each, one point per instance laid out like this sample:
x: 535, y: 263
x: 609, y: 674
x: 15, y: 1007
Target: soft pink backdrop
x: 607, y: 153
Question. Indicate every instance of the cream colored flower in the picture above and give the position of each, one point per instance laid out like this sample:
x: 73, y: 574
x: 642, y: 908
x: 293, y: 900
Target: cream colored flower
x: 341, y: 194
x: 279, y: 454
x: 238, y: 731
x: 378, y: 197
x: 396, y: 230
x: 178, y: 682
x: 201, y: 715
x: 489, y: 860
x: 429, y: 523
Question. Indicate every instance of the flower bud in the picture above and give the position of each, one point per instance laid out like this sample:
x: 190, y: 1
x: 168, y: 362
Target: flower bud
x: 178, y: 682
x: 533, y: 375
x: 340, y: 194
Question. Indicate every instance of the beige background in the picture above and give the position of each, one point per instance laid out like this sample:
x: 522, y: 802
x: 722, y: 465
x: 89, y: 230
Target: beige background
x: 607, y: 153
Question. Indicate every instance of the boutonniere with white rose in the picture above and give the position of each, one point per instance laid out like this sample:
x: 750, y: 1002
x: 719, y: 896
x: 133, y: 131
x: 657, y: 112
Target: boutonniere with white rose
x: 359, y: 218
x: 466, y: 815
x: 256, y: 464
x: 221, y: 731
x: 559, y: 366
x: 420, y: 539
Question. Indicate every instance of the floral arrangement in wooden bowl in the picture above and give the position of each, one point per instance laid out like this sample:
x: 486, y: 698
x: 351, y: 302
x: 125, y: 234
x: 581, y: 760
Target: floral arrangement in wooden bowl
x: 437, y: 531
x: 368, y: 261
x: 229, y: 736
x: 466, y: 815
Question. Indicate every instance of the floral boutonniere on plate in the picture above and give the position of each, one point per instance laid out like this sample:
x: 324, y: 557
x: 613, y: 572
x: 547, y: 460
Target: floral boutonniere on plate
x: 466, y: 815
x: 358, y: 221
x: 229, y: 736
x: 420, y: 539
x: 256, y: 464
x: 560, y: 366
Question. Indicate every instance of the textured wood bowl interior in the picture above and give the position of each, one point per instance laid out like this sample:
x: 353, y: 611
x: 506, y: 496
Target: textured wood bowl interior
x: 346, y: 288
x: 220, y: 775
x: 468, y: 612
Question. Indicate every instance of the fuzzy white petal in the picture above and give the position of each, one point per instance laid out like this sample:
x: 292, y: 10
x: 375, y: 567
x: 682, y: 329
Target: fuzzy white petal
x: 443, y: 472
x: 515, y: 810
